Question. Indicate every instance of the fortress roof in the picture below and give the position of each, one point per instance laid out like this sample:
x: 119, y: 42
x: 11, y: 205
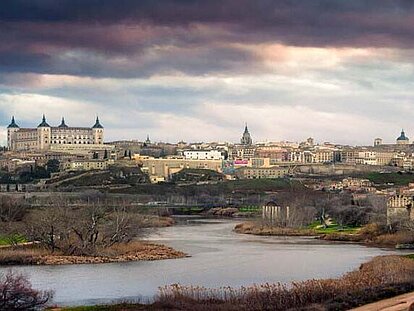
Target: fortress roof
x: 97, y: 124
x: 13, y: 124
x: 43, y: 123
x: 63, y: 124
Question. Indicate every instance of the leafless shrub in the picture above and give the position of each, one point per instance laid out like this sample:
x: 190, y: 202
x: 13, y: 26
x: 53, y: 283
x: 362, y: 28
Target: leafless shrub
x: 12, y: 209
x: 16, y: 293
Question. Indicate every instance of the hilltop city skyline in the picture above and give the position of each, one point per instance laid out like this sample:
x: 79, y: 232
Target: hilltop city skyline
x: 245, y: 139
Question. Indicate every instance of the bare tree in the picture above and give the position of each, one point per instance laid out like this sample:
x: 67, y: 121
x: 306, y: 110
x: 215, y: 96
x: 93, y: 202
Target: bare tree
x: 12, y: 209
x: 49, y: 226
x: 86, y: 224
x: 82, y: 230
x: 121, y: 226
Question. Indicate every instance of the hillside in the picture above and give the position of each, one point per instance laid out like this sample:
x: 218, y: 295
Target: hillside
x: 196, y: 175
x: 116, y: 175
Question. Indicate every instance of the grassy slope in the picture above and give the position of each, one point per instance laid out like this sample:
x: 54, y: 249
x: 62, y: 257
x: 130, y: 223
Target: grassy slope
x: 398, y: 179
x: 5, y: 240
x: 226, y: 187
x: 333, y: 228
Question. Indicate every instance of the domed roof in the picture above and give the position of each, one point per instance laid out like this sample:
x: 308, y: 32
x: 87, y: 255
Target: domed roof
x: 402, y: 136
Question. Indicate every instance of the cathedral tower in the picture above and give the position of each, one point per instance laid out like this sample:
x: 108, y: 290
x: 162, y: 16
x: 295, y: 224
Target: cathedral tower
x: 246, y: 138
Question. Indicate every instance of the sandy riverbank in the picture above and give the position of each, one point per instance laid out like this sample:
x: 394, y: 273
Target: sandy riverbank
x: 134, y: 251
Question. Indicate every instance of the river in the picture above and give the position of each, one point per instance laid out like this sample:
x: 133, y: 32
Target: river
x: 219, y: 257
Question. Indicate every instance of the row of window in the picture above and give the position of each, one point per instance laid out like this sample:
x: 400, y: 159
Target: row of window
x: 75, y: 143
x: 73, y: 136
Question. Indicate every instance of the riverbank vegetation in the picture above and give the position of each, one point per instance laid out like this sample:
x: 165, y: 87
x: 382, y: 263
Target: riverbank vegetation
x: 381, y: 278
x: 371, y: 234
x: 122, y: 252
x: 13, y: 239
x: 339, y: 217
x: 59, y: 233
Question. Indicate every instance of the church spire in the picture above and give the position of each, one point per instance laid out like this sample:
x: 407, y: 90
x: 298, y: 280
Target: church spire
x: 246, y: 138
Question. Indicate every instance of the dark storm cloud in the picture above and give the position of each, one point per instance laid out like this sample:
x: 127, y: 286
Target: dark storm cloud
x: 187, y: 11
x: 129, y: 38
x: 191, y: 62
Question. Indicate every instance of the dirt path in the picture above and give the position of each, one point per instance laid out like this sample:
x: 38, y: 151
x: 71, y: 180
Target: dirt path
x: 399, y: 303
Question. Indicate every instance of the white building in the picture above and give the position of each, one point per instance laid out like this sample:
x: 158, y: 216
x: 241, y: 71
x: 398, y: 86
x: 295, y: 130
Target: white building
x: 203, y: 155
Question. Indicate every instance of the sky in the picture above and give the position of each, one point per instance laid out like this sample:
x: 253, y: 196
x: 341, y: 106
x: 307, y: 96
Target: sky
x: 195, y: 70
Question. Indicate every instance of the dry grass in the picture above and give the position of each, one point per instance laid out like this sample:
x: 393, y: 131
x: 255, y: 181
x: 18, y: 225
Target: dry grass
x: 152, y: 221
x: 380, y: 239
x: 144, y: 249
x: 372, y: 281
x: 22, y: 255
x: 382, y: 277
x: 395, y: 238
x: 371, y: 234
x: 123, y: 252
x: 267, y: 230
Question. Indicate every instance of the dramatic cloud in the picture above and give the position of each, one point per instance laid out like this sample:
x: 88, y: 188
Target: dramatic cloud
x: 196, y: 69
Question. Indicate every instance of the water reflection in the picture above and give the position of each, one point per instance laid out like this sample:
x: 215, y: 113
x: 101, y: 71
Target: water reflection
x: 220, y: 257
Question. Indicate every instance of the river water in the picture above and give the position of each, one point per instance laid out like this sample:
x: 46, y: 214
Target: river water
x: 219, y: 257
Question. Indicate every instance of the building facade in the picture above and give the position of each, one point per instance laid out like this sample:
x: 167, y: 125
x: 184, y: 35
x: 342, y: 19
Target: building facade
x: 161, y: 169
x: 46, y: 137
x: 204, y: 154
x: 260, y: 173
x: 399, y: 208
x: 85, y: 165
